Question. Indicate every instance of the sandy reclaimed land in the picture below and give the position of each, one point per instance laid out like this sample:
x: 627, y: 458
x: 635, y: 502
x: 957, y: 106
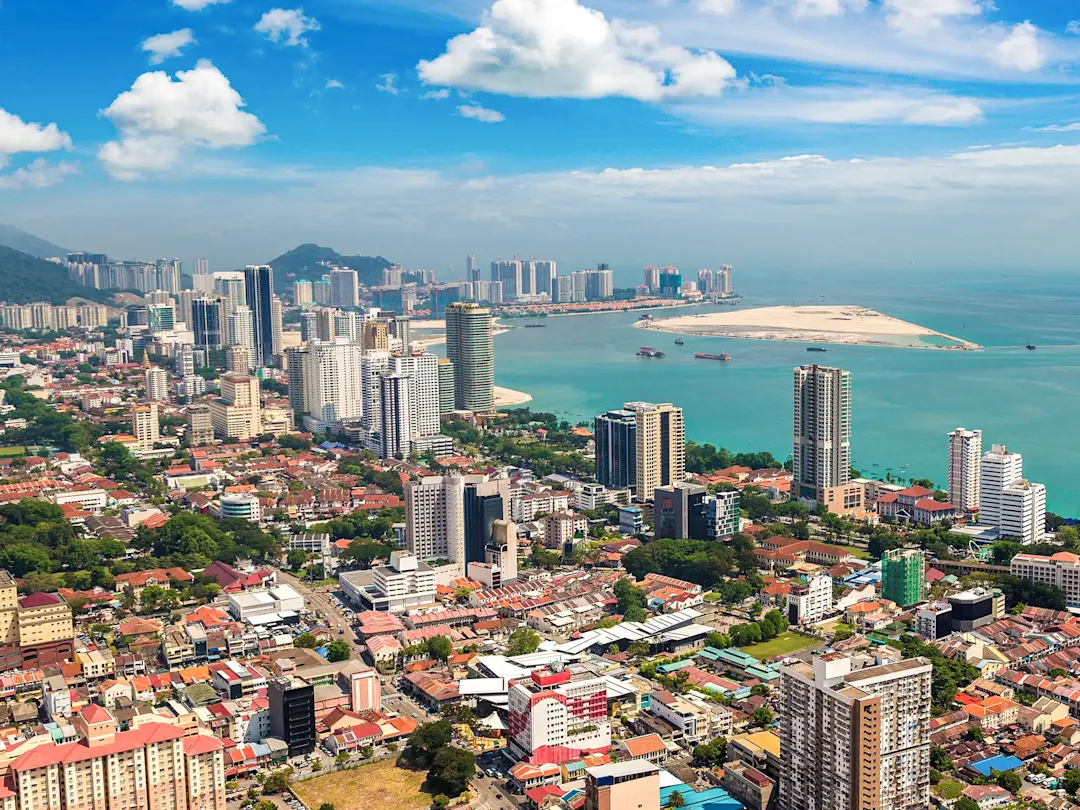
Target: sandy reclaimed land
x: 508, y: 397
x: 852, y: 325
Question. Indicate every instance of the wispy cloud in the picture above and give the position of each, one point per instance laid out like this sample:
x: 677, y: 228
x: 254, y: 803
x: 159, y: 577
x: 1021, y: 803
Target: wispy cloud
x: 481, y: 113
x: 1073, y: 127
x: 436, y: 95
x: 165, y: 46
x: 334, y: 84
x: 388, y: 84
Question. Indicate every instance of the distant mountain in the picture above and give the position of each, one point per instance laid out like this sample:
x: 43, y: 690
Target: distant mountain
x: 20, y: 240
x: 25, y: 278
x: 303, y: 263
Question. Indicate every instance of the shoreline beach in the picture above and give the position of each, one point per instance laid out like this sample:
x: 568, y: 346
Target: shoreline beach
x: 508, y: 397
x: 838, y: 325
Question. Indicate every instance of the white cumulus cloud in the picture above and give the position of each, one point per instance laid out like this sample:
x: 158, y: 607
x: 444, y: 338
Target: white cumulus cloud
x: 1073, y: 27
x: 481, y: 113
x: 196, y: 5
x: 1021, y: 49
x: 38, y: 174
x: 560, y: 48
x: 160, y: 118
x: 288, y: 25
x: 334, y: 84
x: 436, y: 95
x: 165, y: 46
x: 18, y: 136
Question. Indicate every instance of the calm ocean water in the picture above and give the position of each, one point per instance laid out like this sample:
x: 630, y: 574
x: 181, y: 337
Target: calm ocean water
x: 904, y: 400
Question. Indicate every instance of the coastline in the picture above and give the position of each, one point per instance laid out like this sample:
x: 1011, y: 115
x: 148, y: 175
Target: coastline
x: 508, y: 397
x: 832, y: 325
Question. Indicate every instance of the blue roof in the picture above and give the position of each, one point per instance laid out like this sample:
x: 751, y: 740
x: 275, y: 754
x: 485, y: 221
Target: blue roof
x: 998, y: 763
x: 711, y: 799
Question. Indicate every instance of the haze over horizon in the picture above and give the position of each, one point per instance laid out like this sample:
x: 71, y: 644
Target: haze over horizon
x: 814, y: 134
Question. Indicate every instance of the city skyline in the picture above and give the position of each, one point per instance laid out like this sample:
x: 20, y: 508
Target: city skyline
x: 890, y: 118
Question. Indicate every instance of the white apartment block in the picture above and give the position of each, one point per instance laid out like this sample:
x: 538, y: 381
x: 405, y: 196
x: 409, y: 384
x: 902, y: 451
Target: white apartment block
x: 810, y: 601
x: 395, y: 436
x: 661, y: 446
x: 332, y: 383
x: 435, y: 517
x: 404, y: 584
x: 344, y: 287
x: 695, y: 719
x: 965, y: 454
x: 597, y: 496
x: 855, y: 740
x: 1062, y: 570
x: 998, y: 470
x: 422, y: 370
x: 547, y: 502
x: 1007, y: 501
x: 722, y: 514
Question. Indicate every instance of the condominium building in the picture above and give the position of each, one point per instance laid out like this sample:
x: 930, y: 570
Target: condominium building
x: 903, y: 572
x: 554, y: 718
x: 1009, y: 502
x: 152, y: 766
x: 240, y: 329
x: 470, y: 347
x: 965, y: 454
x: 329, y: 380
x: 259, y: 294
x: 855, y: 740
x: 1062, y: 570
x: 422, y: 370
x: 236, y: 413
x: 615, y: 437
x: 395, y: 408
x: 302, y: 292
x: 452, y: 517
x: 344, y: 287
x: 145, y: 425
x: 157, y: 384
x: 660, y: 446
x: 446, y: 386
x: 821, y: 443
x: 200, y: 425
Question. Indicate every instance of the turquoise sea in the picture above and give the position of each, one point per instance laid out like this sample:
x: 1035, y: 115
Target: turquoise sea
x: 904, y: 400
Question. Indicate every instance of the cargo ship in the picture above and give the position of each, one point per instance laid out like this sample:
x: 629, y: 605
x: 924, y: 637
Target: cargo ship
x: 703, y: 356
x: 649, y: 351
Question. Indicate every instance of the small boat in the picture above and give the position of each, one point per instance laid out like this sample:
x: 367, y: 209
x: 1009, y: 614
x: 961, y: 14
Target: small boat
x: 535, y: 325
x: 679, y: 341
x: 704, y: 356
x: 649, y: 351
x: 1030, y: 347
x: 645, y: 317
x: 816, y: 349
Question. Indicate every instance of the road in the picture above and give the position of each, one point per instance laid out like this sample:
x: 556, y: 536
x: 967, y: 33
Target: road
x: 493, y: 795
x: 332, y: 615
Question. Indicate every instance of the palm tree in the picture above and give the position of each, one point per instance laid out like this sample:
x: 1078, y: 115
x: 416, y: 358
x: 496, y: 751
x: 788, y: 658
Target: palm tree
x: 676, y: 799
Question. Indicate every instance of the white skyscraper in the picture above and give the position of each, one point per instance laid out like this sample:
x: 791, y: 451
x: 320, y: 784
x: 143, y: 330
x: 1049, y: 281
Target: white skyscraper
x: 240, y: 330
x: 344, y: 287
x: 302, y: 293
x: 821, y: 443
x: 332, y: 382
x: 202, y: 281
x: 394, y: 402
x: 144, y: 425
x: 157, y: 384
x: 999, y: 470
x: 373, y: 365
x: 422, y: 371
x: 435, y: 517
x: 545, y: 276
x: 185, y: 362
x: 965, y: 454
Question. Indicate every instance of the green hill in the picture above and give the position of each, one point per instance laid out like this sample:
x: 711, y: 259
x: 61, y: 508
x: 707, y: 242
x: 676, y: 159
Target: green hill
x: 18, y: 239
x: 303, y: 263
x: 25, y: 278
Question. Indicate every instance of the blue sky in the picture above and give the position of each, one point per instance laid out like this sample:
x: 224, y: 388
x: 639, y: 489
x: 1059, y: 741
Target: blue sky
x: 760, y: 132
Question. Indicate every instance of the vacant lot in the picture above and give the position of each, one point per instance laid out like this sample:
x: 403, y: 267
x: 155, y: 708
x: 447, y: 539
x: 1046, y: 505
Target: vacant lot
x: 382, y: 784
x: 781, y: 645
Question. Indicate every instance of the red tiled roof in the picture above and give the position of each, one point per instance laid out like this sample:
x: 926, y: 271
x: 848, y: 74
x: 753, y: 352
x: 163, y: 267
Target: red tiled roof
x: 39, y: 599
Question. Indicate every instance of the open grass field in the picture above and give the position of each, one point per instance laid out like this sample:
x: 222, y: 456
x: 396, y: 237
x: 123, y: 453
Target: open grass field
x: 381, y: 784
x: 854, y: 551
x: 7, y: 452
x: 781, y: 645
